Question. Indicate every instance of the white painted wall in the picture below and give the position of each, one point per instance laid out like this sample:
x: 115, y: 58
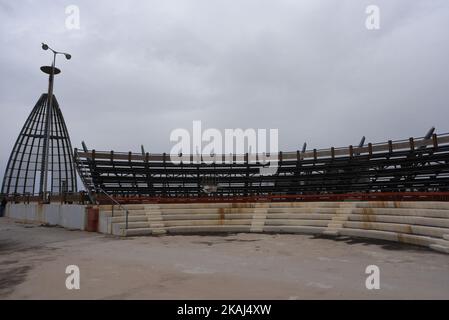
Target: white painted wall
x: 104, y: 223
x: 70, y: 216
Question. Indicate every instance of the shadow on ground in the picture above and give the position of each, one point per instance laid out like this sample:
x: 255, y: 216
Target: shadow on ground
x: 384, y: 244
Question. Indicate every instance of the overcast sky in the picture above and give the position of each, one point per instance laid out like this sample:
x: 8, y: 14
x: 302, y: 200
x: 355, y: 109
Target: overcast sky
x: 309, y: 68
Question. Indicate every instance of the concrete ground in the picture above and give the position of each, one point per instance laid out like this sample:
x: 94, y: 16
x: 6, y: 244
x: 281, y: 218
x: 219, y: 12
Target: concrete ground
x: 33, y: 260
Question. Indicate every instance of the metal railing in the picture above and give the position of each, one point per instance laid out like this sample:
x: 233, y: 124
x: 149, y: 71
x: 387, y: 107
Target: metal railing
x: 355, y: 196
x: 117, y: 203
x: 65, y: 197
x: 442, y: 138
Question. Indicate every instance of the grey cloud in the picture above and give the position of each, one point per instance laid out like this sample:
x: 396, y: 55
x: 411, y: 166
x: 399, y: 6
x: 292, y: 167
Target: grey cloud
x: 309, y: 68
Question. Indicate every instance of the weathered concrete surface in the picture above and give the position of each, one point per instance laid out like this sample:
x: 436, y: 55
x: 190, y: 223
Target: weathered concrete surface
x: 70, y: 216
x: 418, y: 223
x: 242, y: 266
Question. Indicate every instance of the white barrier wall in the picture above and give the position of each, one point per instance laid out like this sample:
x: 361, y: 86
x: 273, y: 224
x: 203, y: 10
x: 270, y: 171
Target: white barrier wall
x: 70, y: 216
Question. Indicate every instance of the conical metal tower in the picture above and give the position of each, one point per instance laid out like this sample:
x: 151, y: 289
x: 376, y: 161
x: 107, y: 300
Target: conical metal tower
x: 41, y: 161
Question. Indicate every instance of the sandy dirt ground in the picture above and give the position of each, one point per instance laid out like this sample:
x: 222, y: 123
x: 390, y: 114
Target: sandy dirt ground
x: 33, y: 260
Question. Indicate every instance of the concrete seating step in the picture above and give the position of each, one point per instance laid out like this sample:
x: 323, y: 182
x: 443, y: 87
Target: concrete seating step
x: 415, y: 220
x: 439, y: 205
x: 305, y: 204
x: 335, y: 225
x: 133, y: 225
x: 208, y: 229
x: 432, y: 213
x: 388, y: 235
x: 158, y: 231
x: 307, y: 216
x: 206, y: 210
x: 205, y: 205
x: 201, y: 216
x: 156, y: 225
x: 138, y: 232
x: 185, y: 223
x: 436, y: 232
x: 134, y: 206
x: 296, y: 222
x: 439, y: 248
x: 301, y: 210
x: 399, y: 228
x: 294, y: 229
x: 130, y: 218
x: 441, y: 242
x: 330, y: 232
x: 420, y: 223
x: 118, y: 213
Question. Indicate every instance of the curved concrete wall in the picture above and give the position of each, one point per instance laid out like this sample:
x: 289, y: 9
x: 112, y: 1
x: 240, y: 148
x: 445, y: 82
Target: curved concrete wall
x: 419, y: 223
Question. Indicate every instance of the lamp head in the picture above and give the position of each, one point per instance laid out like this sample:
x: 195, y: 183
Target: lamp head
x: 68, y: 56
x: 44, y: 46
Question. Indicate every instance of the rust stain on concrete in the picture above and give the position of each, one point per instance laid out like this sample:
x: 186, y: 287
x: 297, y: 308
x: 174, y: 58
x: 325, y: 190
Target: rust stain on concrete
x: 368, y: 215
x: 222, y: 215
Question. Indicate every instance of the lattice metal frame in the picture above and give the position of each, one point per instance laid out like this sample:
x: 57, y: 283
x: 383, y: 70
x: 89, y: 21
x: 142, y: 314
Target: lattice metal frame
x: 24, y: 170
x: 414, y: 165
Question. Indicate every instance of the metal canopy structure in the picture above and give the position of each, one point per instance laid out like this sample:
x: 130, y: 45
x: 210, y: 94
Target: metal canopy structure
x: 41, y: 160
x: 413, y: 165
x: 24, y: 170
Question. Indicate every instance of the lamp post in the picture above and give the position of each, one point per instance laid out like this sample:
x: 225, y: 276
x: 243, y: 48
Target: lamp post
x: 51, y: 71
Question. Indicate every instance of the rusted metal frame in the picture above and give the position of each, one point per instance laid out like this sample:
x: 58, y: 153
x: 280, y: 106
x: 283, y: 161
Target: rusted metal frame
x: 68, y: 151
x: 246, y: 174
x: 29, y: 145
x: 416, y: 196
x: 54, y: 133
x: 69, y: 162
x: 66, y: 162
x: 28, y: 125
x: 396, y: 145
x: 13, y: 157
x: 133, y: 174
x: 412, y: 144
x: 94, y: 174
x: 39, y: 136
x: 165, y: 168
x: 148, y: 175
x: 39, y: 145
x: 435, y: 141
x: 231, y: 189
x: 113, y: 166
x: 184, y: 177
x: 370, y: 154
x: 24, y: 146
x: 230, y: 173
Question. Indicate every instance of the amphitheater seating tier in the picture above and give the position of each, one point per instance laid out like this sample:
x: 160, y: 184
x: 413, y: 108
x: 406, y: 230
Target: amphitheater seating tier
x: 419, y: 223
